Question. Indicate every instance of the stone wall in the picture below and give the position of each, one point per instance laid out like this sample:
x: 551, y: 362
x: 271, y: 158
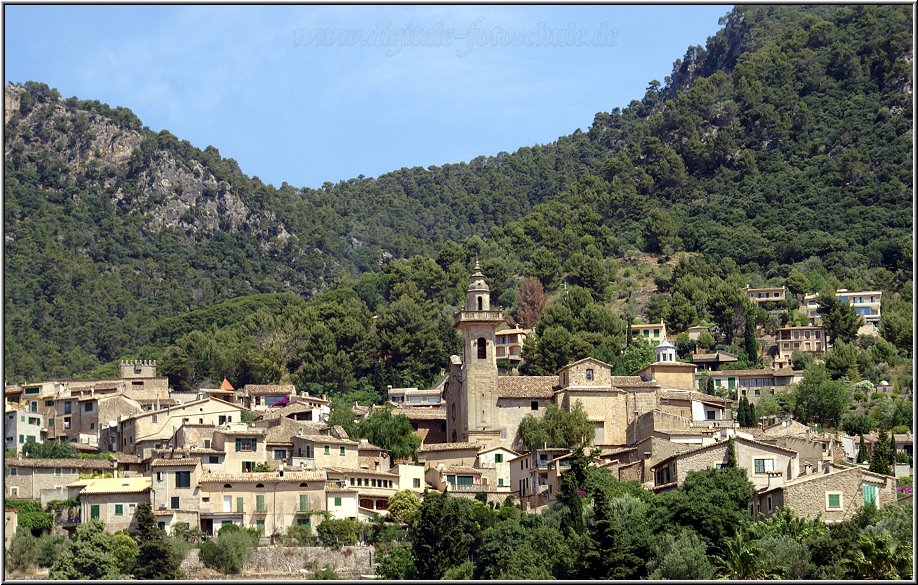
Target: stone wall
x: 808, y: 498
x: 297, y: 561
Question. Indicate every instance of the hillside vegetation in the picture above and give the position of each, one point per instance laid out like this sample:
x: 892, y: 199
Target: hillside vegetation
x: 781, y: 148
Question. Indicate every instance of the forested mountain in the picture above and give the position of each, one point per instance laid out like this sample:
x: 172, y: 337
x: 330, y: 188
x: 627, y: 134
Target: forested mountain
x: 784, y: 145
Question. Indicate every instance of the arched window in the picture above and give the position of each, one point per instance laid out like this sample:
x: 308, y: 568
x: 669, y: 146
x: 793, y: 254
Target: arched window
x: 482, y: 345
x: 303, y: 485
x: 227, y: 486
x: 589, y: 374
x: 479, y: 304
x: 259, y: 485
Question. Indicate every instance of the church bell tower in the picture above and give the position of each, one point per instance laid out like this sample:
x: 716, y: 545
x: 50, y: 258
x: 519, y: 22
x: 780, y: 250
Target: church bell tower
x: 478, y: 323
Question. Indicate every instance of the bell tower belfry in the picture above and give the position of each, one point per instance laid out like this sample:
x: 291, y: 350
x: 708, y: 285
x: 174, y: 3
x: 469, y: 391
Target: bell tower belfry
x: 476, y: 407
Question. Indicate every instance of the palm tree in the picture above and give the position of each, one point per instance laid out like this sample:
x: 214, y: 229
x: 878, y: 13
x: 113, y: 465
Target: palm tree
x: 878, y: 556
x: 740, y: 561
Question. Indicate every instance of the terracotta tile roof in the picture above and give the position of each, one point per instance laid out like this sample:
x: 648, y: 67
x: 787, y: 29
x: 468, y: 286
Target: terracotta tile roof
x: 719, y: 356
x: 692, y: 395
x: 419, y: 413
x: 125, y: 458
x: 448, y: 447
x: 370, y: 462
x: 322, y: 439
x: 814, y: 476
x: 756, y: 372
x: 240, y: 431
x: 526, y: 386
x: 723, y: 444
x: 174, y: 463
x: 225, y: 385
x: 78, y: 463
x: 117, y: 485
x: 270, y: 476
x: 632, y: 382
x: 662, y: 449
x: 265, y: 389
x: 358, y: 471
x: 286, y: 428
x: 459, y: 469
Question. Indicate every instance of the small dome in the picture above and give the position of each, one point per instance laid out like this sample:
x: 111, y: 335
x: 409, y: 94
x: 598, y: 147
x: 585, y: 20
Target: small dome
x: 478, y: 282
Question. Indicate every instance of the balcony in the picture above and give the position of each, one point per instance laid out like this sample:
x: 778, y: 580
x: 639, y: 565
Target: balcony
x: 467, y: 487
x: 67, y: 517
x: 478, y: 317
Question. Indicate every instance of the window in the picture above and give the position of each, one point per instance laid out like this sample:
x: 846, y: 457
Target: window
x: 498, y: 458
x: 833, y: 500
x: 480, y: 304
x: 213, y: 459
x: 159, y: 476
x: 154, y: 418
x: 87, y: 407
x: 94, y: 512
x: 182, y: 479
x: 327, y: 450
x: 500, y: 481
x: 589, y: 374
x: 58, y: 472
x: 207, y: 443
x: 260, y: 503
x: 482, y: 348
x: 174, y: 503
x: 337, y: 502
x: 764, y: 465
x: 534, y: 405
x: 244, y: 444
x: 33, y: 390
x: 709, y: 414
x: 21, y: 439
x: 302, y: 521
x: 260, y: 526
x: 304, y: 502
x: 341, y: 451
x: 68, y: 408
x: 14, y: 471
x: 416, y: 482
x: 280, y: 453
x: 248, y: 466
x: 14, y: 491
x: 870, y: 494
x: 240, y: 505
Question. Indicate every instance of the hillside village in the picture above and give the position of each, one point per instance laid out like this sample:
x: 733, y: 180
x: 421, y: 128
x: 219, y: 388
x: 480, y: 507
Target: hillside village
x: 265, y: 457
x: 675, y: 343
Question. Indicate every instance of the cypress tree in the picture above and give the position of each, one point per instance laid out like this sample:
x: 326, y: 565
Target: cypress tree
x: 731, y: 454
x: 862, y: 456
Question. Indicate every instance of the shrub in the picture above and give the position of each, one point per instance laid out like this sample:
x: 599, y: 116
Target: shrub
x: 299, y: 535
x: 227, y: 552
x: 325, y: 574
x: 50, y: 549
x: 23, y: 553
x: 337, y: 533
x: 126, y: 552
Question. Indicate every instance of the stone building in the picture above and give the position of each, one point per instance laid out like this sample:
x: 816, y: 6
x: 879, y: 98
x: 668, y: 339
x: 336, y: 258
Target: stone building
x: 114, y: 501
x: 27, y: 478
x: 760, y: 460
x: 833, y: 496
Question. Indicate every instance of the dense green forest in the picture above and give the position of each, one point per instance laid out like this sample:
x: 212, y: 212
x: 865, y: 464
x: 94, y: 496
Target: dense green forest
x: 779, y: 153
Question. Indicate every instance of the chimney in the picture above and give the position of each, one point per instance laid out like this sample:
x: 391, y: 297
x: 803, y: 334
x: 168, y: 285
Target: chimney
x: 775, y: 479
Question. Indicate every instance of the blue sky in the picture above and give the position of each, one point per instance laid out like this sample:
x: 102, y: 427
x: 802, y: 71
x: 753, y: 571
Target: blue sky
x: 308, y: 94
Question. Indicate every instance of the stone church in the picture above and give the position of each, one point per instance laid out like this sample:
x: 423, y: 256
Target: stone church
x: 486, y: 409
